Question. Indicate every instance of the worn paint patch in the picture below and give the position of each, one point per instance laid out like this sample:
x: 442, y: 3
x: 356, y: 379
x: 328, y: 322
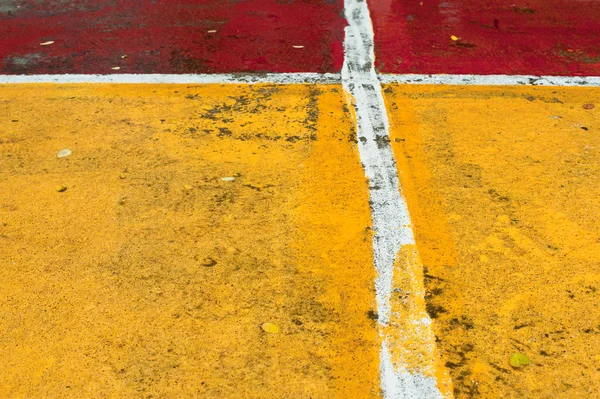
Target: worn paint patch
x: 406, y: 370
x: 491, y: 80
x: 537, y: 37
x: 181, y: 36
x: 152, y: 275
x: 214, y: 78
x: 502, y: 185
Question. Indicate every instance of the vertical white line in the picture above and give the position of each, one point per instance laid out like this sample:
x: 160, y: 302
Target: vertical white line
x: 391, y: 221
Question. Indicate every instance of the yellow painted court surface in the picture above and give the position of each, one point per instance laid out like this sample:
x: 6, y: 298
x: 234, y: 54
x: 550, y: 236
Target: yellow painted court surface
x: 502, y: 185
x: 145, y: 263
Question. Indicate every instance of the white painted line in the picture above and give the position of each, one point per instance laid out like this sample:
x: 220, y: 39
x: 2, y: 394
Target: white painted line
x: 309, y: 78
x: 492, y: 80
x: 391, y: 221
x: 246, y: 78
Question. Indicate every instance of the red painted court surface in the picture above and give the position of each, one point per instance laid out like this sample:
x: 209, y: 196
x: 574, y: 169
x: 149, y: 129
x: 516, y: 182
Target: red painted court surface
x: 175, y: 36
x: 535, y: 37
x: 556, y: 37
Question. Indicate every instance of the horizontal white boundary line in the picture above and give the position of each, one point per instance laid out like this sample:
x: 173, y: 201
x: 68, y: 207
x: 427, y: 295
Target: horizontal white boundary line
x: 314, y: 78
x: 245, y: 78
x: 491, y: 80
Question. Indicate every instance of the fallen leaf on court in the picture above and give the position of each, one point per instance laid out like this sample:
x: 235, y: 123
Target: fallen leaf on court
x: 61, y: 189
x: 588, y: 106
x: 64, y: 153
x: 122, y: 175
x: 124, y: 56
x: 298, y: 46
x: 47, y: 43
x: 187, y: 187
x: 270, y: 328
x: 454, y: 38
x: 227, y: 178
x: 115, y: 68
x: 209, y: 262
x: 518, y: 360
x: 211, y: 31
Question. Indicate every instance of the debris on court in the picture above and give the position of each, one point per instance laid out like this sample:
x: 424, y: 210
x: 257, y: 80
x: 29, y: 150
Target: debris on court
x: 270, y: 328
x: 209, y: 262
x: 64, y: 153
x: 518, y: 360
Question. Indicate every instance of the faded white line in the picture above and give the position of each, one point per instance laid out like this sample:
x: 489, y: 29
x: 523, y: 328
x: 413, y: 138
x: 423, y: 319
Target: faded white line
x: 306, y: 78
x: 247, y: 78
x: 391, y: 221
x: 492, y: 80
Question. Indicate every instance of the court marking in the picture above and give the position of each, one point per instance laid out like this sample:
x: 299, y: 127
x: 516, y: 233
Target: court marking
x: 306, y: 78
x: 491, y: 80
x: 233, y: 78
x: 389, y: 211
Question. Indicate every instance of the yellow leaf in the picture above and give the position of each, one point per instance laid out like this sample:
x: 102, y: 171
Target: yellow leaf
x: 518, y: 360
x: 270, y: 328
x: 454, y: 38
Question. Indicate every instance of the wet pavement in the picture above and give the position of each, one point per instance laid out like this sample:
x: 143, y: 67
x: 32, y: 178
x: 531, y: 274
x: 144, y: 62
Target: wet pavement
x: 216, y: 240
x: 183, y: 36
x: 557, y: 37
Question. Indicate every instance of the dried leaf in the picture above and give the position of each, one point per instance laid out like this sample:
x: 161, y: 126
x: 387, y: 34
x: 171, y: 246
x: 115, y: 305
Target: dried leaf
x: 270, y: 328
x: 47, y: 43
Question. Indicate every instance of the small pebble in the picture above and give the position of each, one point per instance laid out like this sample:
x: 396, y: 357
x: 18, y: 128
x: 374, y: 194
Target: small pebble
x: 227, y: 178
x: 64, y: 153
x: 61, y: 189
